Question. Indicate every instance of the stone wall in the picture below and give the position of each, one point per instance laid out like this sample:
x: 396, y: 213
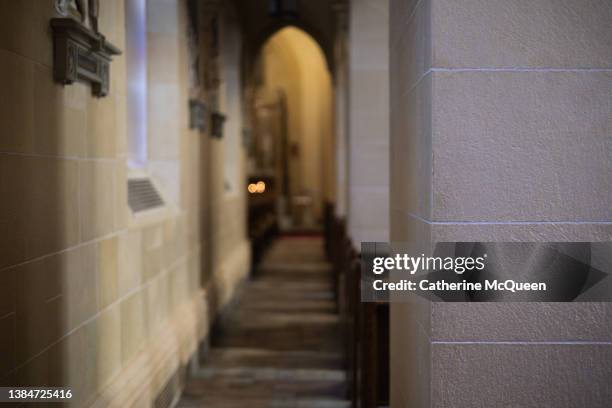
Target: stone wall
x: 91, y: 296
x: 368, y: 110
x: 501, y: 131
x: 228, y: 248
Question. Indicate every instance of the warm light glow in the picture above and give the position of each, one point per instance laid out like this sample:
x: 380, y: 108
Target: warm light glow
x: 258, y: 187
x: 293, y: 62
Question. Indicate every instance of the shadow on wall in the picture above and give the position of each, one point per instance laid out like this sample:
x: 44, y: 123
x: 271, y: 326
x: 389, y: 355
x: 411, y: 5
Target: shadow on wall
x: 56, y: 274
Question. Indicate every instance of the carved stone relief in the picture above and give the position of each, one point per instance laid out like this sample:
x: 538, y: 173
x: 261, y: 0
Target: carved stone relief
x: 81, y: 52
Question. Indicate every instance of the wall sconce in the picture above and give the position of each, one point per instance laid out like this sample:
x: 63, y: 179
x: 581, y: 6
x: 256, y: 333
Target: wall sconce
x: 197, y: 115
x: 217, y: 121
x: 81, y: 53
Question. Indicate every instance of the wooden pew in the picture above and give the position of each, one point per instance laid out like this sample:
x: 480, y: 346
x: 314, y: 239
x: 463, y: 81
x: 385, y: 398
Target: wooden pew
x: 365, y: 325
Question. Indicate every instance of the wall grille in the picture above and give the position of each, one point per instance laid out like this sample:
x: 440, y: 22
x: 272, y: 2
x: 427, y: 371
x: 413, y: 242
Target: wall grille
x: 142, y: 195
x: 168, y: 396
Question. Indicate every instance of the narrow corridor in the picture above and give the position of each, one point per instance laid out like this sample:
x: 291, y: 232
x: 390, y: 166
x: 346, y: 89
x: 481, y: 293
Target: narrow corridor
x: 281, y: 346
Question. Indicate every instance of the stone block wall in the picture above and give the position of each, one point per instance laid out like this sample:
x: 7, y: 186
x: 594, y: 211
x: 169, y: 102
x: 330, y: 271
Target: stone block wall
x: 368, y: 118
x: 501, y: 131
x: 91, y: 296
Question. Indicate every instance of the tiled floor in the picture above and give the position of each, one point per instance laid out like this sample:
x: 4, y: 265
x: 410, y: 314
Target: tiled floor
x: 281, y: 345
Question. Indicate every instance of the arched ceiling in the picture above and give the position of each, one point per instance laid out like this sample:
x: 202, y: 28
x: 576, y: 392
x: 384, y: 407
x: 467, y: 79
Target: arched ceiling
x: 316, y: 17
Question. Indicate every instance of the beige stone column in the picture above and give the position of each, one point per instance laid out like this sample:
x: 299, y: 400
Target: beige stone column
x: 228, y: 245
x: 368, y: 146
x: 501, y: 117
x: 340, y: 106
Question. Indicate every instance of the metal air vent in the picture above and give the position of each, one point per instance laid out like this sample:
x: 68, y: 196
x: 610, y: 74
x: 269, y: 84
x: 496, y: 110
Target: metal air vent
x: 142, y: 195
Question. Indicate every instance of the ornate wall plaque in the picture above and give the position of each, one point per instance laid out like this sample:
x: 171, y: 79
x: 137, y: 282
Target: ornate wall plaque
x: 82, y: 54
x: 217, y: 121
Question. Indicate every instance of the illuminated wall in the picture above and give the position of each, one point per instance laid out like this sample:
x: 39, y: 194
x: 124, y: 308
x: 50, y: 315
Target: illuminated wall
x: 294, y: 63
